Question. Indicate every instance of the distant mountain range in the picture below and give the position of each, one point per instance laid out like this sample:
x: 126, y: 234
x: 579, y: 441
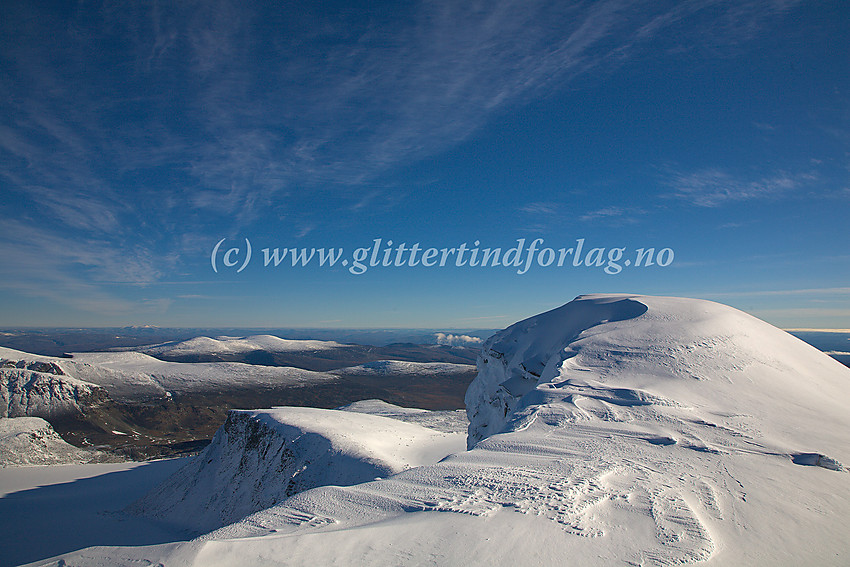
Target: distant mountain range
x: 130, y: 402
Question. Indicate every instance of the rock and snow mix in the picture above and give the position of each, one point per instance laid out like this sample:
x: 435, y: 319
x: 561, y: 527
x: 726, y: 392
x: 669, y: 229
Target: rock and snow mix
x: 28, y: 441
x: 133, y: 376
x: 37, y: 388
x: 615, y: 430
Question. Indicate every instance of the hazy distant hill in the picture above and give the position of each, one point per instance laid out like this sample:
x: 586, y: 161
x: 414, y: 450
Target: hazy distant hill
x: 307, y: 354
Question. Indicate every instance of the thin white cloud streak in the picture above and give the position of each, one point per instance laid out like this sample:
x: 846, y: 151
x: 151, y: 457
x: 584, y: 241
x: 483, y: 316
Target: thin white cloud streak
x: 367, y: 97
x: 614, y: 214
x: 392, y: 94
x: 714, y: 187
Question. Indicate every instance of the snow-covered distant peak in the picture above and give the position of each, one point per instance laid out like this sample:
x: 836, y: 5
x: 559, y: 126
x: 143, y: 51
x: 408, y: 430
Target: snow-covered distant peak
x: 237, y: 345
x: 403, y: 368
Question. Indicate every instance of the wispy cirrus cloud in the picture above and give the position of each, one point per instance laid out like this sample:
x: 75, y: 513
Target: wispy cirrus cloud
x: 174, y: 119
x: 713, y: 187
x: 615, y: 214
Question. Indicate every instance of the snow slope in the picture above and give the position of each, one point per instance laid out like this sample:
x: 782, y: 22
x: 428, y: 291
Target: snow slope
x: 447, y: 421
x: 27, y: 441
x: 133, y: 376
x: 615, y: 430
x: 48, y: 510
x: 259, y: 458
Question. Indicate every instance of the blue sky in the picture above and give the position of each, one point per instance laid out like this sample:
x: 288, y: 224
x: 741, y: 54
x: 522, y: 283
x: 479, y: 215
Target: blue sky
x: 136, y: 136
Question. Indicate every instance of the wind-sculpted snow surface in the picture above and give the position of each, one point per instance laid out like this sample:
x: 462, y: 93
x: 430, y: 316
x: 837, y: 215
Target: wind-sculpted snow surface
x: 616, y: 430
x: 516, y: 360
x: 259, y: 458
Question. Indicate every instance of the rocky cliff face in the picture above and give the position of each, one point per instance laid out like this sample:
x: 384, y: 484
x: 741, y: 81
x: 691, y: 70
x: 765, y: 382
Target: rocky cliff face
x: 41, y: 389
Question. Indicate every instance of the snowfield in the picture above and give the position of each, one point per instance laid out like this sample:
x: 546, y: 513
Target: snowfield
x: 447, y: 421
x: 615, y: 430
x: 131, y: 376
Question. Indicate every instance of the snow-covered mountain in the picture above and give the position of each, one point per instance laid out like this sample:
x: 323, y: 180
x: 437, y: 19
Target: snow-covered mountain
x: 315, y: 355
x: 130, y: 376
x: 28, y: 441
x: 238, y: 345
x: 38, y: 388
x: 402, y: 369
x: 133, y: 376
x: 259, y: 458
x: 615, y: 430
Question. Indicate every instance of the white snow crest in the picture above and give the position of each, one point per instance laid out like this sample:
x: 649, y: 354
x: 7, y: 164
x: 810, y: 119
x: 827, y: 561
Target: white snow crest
x: 514, y: 361
x: 259, y: 458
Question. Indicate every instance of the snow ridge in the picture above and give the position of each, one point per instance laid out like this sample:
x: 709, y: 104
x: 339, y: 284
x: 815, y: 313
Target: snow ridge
x: 514, y: 361
x: 261, y: 457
